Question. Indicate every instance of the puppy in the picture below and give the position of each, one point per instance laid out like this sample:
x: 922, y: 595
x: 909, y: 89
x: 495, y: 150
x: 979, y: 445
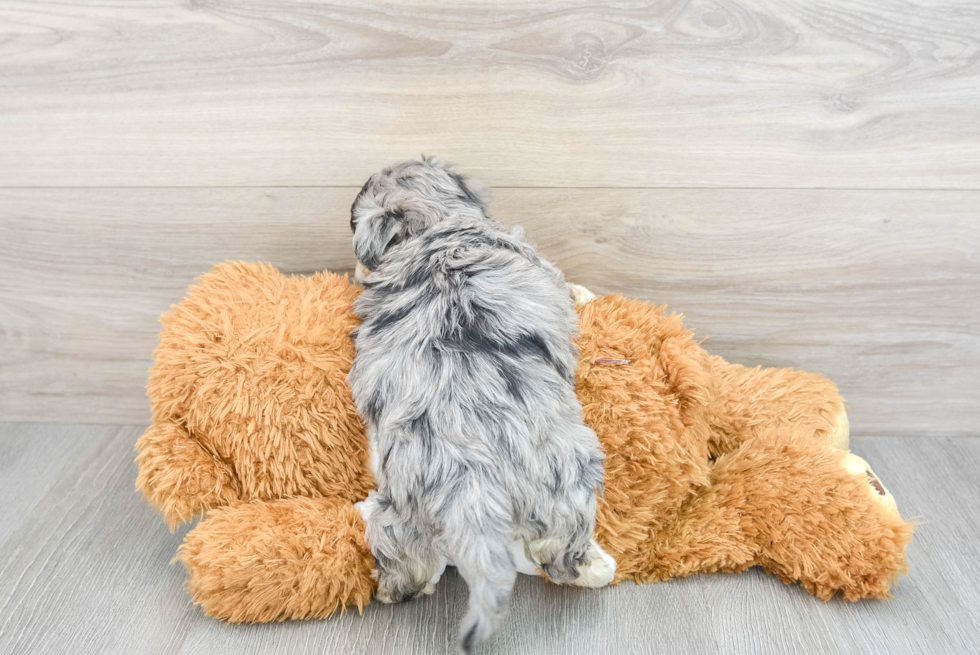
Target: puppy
x: 464, y: 373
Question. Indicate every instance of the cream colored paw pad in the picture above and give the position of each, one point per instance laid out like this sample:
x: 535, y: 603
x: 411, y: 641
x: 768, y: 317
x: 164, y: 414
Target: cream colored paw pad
x: 857, y: 466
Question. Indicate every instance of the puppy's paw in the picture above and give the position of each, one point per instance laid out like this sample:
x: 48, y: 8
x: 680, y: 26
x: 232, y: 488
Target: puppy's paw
x: 392, y: 589
x: 360, y: 273
x: 581, y: 294
x: 599, y: 572
x: 538, y: 551
x: 382, y: 593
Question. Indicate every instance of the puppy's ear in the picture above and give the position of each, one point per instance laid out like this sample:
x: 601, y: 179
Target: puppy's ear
x: 373, y: 235
x: 473, y: 192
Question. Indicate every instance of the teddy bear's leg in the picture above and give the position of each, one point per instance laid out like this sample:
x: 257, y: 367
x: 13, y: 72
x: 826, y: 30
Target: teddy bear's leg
x: 819, y: 519
x: 798, y: 507
x: 744, y: 401
x: 297, y: 558
x: 705, y: 537
x: 177, y: 476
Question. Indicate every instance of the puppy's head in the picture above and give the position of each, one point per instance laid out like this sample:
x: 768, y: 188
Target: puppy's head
x: 403, y: 200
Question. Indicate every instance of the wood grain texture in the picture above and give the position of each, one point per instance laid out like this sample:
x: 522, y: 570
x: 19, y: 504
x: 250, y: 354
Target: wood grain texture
x: 741, y: 93
x: 84, y: 568
x: 877, y: 290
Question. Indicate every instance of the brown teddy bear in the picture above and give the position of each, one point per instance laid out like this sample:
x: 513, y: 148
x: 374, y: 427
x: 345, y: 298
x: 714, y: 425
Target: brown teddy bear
x: 710, y: 466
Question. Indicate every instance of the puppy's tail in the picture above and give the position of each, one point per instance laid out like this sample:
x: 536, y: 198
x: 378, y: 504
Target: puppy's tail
x: 485, y: 562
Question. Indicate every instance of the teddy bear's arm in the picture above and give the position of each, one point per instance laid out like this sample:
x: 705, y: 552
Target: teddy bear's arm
x: 177, y: 476
x: 747, y: 400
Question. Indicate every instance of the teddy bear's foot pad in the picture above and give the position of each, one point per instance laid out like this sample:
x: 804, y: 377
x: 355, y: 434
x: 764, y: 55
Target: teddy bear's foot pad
x: 857, y: 466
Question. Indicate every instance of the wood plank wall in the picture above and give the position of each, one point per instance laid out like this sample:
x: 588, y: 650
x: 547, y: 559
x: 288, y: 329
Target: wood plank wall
x: 800, y: 179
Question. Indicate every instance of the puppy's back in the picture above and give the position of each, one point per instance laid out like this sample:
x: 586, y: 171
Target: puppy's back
x: 465, y: 373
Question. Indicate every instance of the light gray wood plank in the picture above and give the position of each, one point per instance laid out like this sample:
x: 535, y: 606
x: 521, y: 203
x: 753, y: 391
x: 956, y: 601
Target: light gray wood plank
x: 89, y: 572
x: 557, y: 93
x: 872, y: 288
x: 26, y: 477
x: 937, y: 486
x: 544, y: 619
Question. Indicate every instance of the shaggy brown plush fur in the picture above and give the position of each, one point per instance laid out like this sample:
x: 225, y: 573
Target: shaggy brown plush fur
x: 254, y: 364
x: 710, y: 466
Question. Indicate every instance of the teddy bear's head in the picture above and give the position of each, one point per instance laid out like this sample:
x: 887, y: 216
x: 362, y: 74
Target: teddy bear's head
x: 253, y: 365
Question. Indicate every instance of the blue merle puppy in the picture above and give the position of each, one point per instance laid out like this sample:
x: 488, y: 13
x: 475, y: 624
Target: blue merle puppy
x: 464, y: 373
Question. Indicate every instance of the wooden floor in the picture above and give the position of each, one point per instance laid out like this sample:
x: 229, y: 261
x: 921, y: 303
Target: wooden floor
x: 85, y: 568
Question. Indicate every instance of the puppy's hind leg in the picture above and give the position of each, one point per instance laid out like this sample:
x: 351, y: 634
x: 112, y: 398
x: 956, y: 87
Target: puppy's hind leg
x: 405, y: 561
x: 565, y: 550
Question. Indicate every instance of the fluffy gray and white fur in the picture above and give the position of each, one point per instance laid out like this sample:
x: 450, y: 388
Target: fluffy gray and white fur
x: 464, y: 374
